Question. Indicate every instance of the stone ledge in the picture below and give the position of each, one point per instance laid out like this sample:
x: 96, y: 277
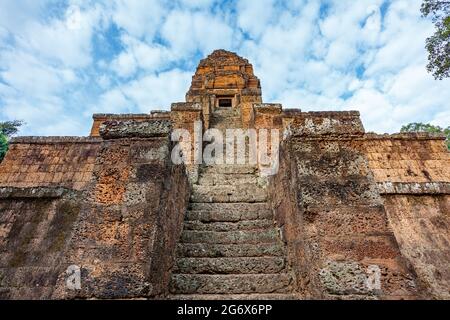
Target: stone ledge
x: 251, y: 91
x: 132, y: 116
x: 414, y: 187
x: 55, y: 139
x: 292, y: 112
x: 32, y: 192
x: 332, y: 114
x: 186, y: 106
x: 267, y: 107
x: 140, y: 129
x: 406, y: 136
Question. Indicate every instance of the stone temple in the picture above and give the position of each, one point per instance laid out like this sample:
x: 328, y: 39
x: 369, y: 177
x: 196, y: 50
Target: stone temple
x: 347, y: 215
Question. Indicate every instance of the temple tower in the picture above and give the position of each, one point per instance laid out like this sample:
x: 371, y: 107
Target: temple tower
x: 225, y: 80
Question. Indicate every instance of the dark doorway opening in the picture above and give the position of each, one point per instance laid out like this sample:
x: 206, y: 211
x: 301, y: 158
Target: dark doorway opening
x: 225, y: 103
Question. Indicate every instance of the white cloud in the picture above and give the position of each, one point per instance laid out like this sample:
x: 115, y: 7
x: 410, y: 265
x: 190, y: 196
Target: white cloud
x: 254, y: 16
x: 111, y: 101
x: 124, y: 65
x: 158, y: 91
x: 46, y: 117
x: 14, y: 15
x: 29, y: 76
x: 187, y: 32
x: 65, y: 40
x: 376, y: 111
x: 139, y: 54
x: 139, y: 18
x: 351, y: 57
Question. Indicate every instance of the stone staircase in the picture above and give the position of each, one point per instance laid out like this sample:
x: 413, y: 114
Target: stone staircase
x: 230, y: 247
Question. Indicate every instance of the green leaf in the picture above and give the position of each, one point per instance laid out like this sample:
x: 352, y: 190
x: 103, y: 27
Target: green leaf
x: 3, y: 146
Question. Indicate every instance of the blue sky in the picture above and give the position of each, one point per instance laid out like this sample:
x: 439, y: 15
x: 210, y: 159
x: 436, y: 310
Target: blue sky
x: 62, y: 61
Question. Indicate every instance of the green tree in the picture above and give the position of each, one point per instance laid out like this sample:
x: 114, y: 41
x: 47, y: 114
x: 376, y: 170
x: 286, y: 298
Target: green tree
x: 3, y: 146
x: 426, y: 127
x: 7, y: 129
x: 438, y: 45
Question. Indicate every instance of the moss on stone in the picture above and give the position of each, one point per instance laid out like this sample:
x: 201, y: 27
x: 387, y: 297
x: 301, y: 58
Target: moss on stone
x: 66, y: 214
x: 25, y: 231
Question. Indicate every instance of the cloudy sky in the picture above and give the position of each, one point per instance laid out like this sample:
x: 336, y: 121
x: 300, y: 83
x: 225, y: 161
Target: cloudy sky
x: 62, y: 61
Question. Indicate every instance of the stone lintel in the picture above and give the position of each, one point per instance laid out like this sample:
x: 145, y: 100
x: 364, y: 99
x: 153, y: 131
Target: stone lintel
x: 52, y: 140
x: 32, y: 192
x: 298, y: 113
x: 186, y: 106
x: 406, y: 136
x: 139, y: 129
x: 268, y: 107
x: 132, y: 116
x: 251, y: 92
x: 291, y: 112
x: 333, y: 114
x: 414, y: 188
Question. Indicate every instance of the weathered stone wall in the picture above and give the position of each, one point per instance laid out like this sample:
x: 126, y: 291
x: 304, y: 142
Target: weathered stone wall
x: 185, y: 115
x: 120, y: 229
x: 35, y: 227
x: 333, y: 217
x: 413, y: 176
x: 42, y: 187
x: 421, y: 224
x: 408, y: 157
x: 49, y: 161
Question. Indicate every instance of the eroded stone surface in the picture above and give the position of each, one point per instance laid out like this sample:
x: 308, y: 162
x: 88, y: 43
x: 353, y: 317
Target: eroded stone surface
x: 230, y: 250
x: 115, y: 129
x: 228, y: 265
x: 229, y: 284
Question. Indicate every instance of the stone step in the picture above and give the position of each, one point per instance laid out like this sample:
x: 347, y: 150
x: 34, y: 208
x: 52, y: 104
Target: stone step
x: 241, y: 265
x: 221, y: 118
x: 218, y: 119
x: 226, y: 111
x: 229, y: 250
x: 228, y: 226
x: 212, y: 179
x: 230, y: 207
x: 229, y: 169
x: 226, y: 114
x: 228, y: 193
x: 226, y: 216
x: 251, y: 296
x: 230, y: 284
x: 249, y: 236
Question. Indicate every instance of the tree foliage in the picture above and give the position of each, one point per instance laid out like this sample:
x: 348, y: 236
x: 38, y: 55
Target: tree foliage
x: 438, y: 45
x: 3, y: 146
x: 426, y: 127
x: 7, y: 129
